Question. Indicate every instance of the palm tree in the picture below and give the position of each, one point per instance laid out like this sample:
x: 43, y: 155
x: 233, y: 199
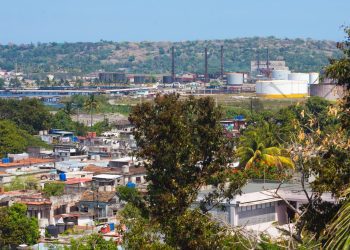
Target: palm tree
x: 69, y: 108
x: 92, y: 104
x: 338, y: 232
x: 253, y: 149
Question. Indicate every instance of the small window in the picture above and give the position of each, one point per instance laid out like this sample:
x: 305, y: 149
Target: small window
x: 263, y: 205
x: 244, y: 209
x: 138, y: 179
x: 249, y: 208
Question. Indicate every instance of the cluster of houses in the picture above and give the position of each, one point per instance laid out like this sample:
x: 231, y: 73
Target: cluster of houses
x: 92, y: 167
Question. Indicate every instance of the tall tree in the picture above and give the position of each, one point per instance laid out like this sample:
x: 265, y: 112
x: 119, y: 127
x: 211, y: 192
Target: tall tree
x: 92, y: 105
x: 16, y: 228
x: 255, y: 150
x: 339, y: 70
x: 184, y: 148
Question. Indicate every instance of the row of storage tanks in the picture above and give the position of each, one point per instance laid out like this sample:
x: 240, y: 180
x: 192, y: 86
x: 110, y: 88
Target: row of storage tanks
x: 283, y: 83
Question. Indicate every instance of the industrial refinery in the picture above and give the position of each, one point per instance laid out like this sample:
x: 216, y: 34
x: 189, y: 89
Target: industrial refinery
x: 266, y: 79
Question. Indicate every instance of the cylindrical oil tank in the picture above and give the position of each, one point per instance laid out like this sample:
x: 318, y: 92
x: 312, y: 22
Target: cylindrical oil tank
x: 281, y: 89
x: 60, y: 227
x: 299, y: 77
x: 69, y: 225
x: 139, y: 79
x: 52, y: 230
x: 280, y: 74
x: 234, y: 78
x: 314, y: 78
x: 167, y: 79
x: 330, y: 92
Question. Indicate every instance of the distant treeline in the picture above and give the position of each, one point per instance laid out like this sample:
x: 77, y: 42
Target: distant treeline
x: 154, y: 57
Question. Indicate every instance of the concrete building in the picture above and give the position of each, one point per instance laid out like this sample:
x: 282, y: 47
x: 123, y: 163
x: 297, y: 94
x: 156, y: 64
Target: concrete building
x: 257, y: 207
x: 112, y: 77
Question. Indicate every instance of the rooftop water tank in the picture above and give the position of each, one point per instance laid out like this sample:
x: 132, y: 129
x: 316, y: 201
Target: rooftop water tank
x: 130, y: 184
x: 62, y: 176
x: 234, y: 78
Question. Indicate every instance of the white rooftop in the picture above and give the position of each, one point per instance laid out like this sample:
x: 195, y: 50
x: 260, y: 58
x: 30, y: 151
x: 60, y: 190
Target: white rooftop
x: 107, y: 176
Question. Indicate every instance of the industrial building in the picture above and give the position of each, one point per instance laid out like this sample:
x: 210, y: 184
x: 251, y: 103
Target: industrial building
x: 112, y: 77
x: 256, y: 66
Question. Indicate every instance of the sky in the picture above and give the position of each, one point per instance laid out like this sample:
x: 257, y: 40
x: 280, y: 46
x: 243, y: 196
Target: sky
x: 26, y: 21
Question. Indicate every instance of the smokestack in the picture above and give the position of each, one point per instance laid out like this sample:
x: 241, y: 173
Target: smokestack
x: 173, y: 64
x: 222, y: 62
x: 206, y: 65
x: 267, y: 59
x: 258, y: 60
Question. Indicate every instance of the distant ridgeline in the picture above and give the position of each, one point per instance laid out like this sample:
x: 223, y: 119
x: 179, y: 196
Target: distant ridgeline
x: 155, y: 57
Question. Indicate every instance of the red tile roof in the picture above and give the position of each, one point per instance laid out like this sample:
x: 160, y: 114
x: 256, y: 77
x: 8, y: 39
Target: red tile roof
x: 72, y: 181
x: 29, y: 161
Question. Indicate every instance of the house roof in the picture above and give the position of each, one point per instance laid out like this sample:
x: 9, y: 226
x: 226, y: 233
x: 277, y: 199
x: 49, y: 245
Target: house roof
x: 26, y: 162
x: 107, y: 176
x: 115, y: 171
x: 71, y: 181
x: 97, y: 196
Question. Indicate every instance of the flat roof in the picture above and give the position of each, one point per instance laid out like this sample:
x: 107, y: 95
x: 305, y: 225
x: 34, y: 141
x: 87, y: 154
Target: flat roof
x: 124, y: 159
x: 107, y: 176
x: 25, y: 162
x: 71, y: 181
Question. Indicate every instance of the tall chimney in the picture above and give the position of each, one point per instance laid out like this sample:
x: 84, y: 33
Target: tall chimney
x: 206, y: 65
x: 267, y: 59
x: 173, y: 64
x: 258, y: 60
x: 222, y: 62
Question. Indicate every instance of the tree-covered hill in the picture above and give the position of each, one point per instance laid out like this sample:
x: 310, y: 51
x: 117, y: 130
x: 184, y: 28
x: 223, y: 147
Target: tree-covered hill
x: 154, y: 57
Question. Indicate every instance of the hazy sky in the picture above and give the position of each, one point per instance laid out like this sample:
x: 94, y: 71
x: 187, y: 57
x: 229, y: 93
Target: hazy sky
x: 25, y: 21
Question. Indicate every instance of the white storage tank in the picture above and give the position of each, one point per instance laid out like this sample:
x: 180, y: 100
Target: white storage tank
x: 234, y: 78
x: 299, y: 77
x: 280, y: 74
x: 314, y: 78
x: 281, y: 89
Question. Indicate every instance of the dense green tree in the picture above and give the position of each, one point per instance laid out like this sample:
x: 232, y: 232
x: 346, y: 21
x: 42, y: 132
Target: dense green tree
x: 15, y: 140
x: 184, y: 148
x: 16, y: 228
x: 338, y: 236
x: 2, y: 83
x: 92, y: 242
x: 100, y: 127
x: 28, y: 114
x: 23, y: 183
x: 339, y: 71
x: 62, y: 120
x: 255, y: 152
x: 53, y: 189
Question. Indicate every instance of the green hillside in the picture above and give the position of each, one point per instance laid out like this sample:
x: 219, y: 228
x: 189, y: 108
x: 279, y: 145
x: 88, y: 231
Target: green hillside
x: 154, y: 57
